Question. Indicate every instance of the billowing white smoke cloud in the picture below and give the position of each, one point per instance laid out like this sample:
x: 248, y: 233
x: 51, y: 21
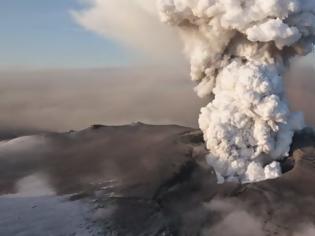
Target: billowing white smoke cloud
x: 239, y: 50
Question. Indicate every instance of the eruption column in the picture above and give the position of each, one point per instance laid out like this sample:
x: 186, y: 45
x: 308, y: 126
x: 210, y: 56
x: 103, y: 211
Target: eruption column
x: 239, y: 51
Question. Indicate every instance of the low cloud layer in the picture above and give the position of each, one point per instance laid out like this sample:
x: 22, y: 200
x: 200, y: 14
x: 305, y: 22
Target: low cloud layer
x: 75, y: 99
x: 300, y: 85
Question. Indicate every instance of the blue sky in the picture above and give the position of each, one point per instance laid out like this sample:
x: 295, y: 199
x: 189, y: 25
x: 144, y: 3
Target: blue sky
x: 43, y: 34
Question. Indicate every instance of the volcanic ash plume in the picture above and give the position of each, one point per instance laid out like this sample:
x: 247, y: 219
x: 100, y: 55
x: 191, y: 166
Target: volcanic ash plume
x: 239, y: 51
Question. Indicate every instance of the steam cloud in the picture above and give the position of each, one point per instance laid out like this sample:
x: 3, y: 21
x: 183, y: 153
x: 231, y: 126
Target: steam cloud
x: 239, y: 51
x: 120, y: 20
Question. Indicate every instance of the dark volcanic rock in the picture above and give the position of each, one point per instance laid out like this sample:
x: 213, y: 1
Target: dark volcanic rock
x: 153, y: 180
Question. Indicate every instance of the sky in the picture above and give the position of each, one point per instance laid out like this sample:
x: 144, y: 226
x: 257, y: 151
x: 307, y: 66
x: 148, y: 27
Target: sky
x: 43, y: 33
x: 61, y: 67
x: 71, y: 34
x: 84, y: 34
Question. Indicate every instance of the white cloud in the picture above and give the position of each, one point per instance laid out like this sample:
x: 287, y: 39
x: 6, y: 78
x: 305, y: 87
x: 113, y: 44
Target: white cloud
x: 133, y: 24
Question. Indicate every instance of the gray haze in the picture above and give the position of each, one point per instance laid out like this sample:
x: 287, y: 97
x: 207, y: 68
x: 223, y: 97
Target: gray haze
x: 61, y: 100
x: 72, y: 99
